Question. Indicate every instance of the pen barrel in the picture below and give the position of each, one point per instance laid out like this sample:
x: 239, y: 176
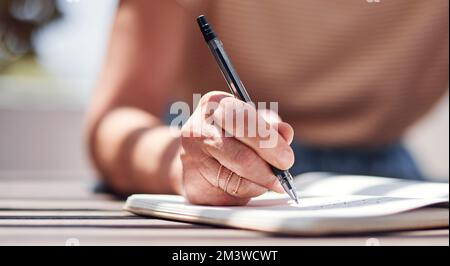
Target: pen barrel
x: 228, y: 71
x: 237, y: 88
x: 283, y: 176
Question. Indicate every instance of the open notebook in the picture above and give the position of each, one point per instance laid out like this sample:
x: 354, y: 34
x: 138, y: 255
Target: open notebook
x: 329, y: 204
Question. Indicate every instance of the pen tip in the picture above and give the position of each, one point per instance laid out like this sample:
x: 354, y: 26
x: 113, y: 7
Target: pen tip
x: 295, y: 196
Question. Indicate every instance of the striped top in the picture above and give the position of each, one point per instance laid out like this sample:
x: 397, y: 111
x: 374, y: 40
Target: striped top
x: 345, y: 72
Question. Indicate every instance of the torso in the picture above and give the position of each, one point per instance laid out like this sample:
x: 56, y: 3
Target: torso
x: 345, y: 73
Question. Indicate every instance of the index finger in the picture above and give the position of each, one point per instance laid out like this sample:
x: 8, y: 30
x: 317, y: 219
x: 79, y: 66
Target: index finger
x: 242, y: 121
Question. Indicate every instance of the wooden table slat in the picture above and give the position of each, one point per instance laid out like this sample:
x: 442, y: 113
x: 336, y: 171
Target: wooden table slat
x: 52, y: 211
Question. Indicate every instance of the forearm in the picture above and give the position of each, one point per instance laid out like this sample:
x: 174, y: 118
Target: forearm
x: 135, y: 153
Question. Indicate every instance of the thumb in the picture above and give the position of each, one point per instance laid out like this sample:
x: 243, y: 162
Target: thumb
x: 286, y: 131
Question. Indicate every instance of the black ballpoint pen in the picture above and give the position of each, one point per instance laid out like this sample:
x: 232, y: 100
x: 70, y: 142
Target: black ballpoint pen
x: 239, y: 91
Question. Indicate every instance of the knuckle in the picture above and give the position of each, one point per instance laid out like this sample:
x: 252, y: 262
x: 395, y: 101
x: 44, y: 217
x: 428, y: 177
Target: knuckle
x: 208, y: 97
x: 213, y: 96
x: 245, y: 158
x: 217, y: 143
x: 231, y: 104
x: 235, y: 108
x: 228, y: 103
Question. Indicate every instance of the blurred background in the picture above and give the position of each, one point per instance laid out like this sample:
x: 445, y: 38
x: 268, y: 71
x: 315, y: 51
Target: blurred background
x: 50, y: 55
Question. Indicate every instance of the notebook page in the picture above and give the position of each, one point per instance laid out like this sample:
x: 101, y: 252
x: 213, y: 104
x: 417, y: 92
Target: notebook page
x: 279, y: 206
x: 336, y: 185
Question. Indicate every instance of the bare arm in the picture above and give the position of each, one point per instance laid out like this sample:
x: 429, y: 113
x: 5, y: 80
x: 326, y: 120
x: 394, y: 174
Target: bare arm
x: 128, y: 144
x: 135, y: 153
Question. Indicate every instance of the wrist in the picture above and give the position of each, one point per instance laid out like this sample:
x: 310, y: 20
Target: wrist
x: 175, y: 174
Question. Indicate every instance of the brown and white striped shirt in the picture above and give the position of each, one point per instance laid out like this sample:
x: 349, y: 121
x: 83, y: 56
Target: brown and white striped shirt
x: 345, y: 72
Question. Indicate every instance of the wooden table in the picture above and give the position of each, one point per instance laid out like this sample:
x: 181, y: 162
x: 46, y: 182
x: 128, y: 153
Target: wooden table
x: 42, y: 210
